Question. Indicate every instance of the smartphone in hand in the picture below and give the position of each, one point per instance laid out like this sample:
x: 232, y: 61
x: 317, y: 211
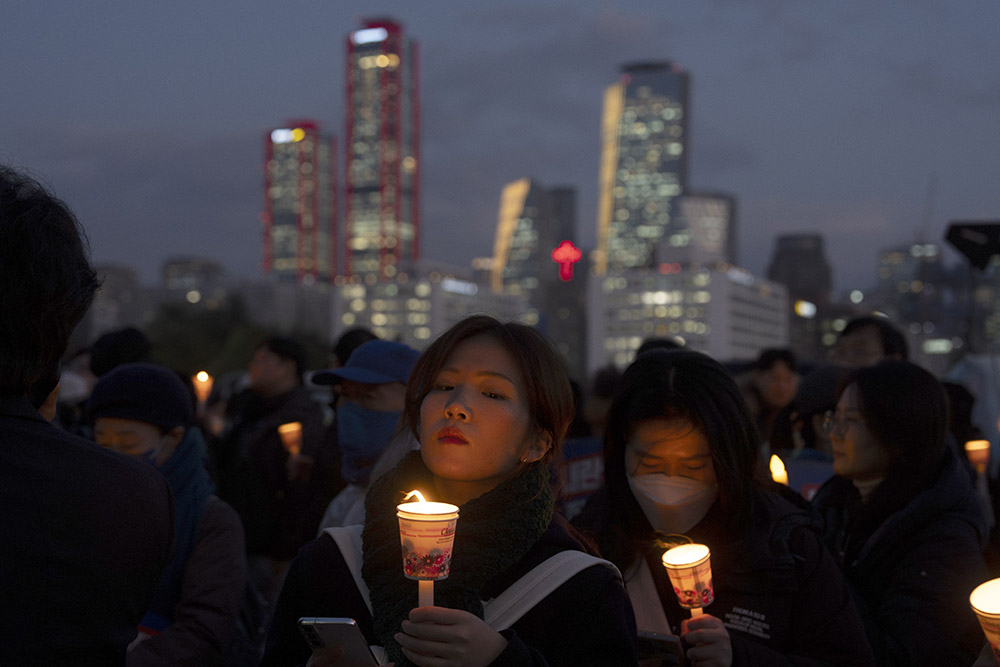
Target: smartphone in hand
x: 656, y: 650
x: 344, y: 633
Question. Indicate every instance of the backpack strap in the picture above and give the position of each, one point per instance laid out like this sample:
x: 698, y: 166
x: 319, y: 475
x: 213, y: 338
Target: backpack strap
x: 505, y: 609
x: 348, y: 539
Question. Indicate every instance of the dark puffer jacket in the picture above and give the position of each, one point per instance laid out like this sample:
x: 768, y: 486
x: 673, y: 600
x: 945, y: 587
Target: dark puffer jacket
x: 912, y: 576
x: 586, y: 621
x: 778, y: 591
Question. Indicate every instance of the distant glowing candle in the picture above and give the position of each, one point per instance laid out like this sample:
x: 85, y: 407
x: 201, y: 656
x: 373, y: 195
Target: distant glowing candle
x: 426, y: 536
x: 978, y: 453
x: 778, y: 472
x: 202, y: 386
x: 690, y: 570
x: 291, y: 437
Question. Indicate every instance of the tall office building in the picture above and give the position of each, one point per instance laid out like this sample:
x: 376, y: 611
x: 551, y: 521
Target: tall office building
x: 382, y: 202
x: 532, y: 222
x: 702, y: 230
x: 644, y: 158
x: 799, y: 263
x: 300, y: 207
x: 534, y: 257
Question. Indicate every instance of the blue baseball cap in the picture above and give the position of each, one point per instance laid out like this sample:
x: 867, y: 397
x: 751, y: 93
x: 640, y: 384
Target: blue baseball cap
x: 374, y: 362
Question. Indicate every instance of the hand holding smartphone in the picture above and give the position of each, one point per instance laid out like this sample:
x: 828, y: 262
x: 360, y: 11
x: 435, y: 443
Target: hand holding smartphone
x: 343, y: 633
x: 656, y: 650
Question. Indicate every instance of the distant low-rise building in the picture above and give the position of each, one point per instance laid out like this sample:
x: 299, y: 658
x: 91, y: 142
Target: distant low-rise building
x: 721, y: 310
x: 421, y: 301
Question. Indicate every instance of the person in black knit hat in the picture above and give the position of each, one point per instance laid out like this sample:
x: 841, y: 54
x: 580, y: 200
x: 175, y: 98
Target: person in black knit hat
x: 145, y: 411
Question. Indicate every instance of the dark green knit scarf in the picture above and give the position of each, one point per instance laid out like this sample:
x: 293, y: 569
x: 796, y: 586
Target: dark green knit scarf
x: 494, y: 532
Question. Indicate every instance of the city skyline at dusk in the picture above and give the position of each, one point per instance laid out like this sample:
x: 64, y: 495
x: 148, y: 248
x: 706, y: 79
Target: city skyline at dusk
x: 869, y: 125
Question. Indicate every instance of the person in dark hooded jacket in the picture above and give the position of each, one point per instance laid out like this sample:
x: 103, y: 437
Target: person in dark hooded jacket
x: 680, y: 461
x: 902, y: 517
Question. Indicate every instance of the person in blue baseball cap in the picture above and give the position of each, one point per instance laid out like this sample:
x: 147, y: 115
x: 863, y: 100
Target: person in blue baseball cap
x: 371, y: 391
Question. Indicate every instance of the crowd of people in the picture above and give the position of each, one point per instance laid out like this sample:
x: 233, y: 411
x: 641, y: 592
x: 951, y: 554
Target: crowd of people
x: 143, y: 526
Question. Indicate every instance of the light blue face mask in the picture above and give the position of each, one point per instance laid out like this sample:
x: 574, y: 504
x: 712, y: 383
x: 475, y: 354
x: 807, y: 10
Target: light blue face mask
x: 363, y: 435
x: 149, y: 456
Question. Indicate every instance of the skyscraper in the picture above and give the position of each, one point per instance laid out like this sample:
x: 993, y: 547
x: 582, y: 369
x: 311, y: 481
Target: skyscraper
x: 799, y: 263
x: 300, y: 207
x: 702, y: 230
x: 532, y: 222
x: 382, y: 202
x: 644, y: 157
x: 534, y: 256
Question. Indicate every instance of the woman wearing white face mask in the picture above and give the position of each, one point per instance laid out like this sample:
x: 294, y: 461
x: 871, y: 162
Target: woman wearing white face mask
x: 680, y: 457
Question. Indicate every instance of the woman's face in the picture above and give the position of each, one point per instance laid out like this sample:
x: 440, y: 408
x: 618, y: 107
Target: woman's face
x: 475, y: 425
x: 857, y: 453
x: 672, y: 447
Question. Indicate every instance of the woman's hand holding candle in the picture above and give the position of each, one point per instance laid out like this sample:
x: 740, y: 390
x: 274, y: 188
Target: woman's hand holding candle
x: 709, y: 641
x: 449, y: 637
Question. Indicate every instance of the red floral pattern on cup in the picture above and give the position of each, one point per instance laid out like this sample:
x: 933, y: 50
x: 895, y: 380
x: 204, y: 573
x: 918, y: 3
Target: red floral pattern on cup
x: 434, y: 565
x: 690, y: 599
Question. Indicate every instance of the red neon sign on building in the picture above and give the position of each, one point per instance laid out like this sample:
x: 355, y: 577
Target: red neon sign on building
x: 566, y: 255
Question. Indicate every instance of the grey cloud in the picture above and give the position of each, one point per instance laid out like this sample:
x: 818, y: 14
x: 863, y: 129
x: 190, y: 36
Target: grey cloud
x: 926, y: 79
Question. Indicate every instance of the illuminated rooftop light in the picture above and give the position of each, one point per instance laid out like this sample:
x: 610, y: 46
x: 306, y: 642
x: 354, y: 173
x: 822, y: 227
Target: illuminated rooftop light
x: 369, y: 35
x: 287, y: 135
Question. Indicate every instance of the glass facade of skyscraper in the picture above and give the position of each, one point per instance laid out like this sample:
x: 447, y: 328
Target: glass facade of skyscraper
x: 532, y: 222
x: 643, y: 162
x: 299, y: 217
x: 382, y: 173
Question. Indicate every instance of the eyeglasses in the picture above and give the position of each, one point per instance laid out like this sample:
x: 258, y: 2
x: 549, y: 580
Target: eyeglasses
x: 834, y: 425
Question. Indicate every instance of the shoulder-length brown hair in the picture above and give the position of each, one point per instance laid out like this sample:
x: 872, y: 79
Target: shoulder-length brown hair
x: 546, y: 384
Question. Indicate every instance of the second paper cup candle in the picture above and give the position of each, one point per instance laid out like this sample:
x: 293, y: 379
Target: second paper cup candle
x: 690, y: 570
x: 427, y: 536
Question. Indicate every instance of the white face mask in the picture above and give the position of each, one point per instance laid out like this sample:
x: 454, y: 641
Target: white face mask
x: 673, y: 505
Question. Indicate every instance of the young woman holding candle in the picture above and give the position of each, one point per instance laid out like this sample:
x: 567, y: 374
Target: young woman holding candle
x: 680, y: 456
x: 902, y: 517
x: 489, y: 403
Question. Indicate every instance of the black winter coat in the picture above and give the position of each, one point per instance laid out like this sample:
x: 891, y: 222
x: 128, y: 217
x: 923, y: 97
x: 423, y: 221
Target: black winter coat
x: 913, y: 575
x: 586, y: 621
x: 84, y: 536
x: 778, y: 591
x: 253, y: 477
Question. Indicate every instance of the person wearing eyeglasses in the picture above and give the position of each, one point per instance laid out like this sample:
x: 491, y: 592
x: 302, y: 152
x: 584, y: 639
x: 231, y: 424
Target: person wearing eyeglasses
x: 902, y: 518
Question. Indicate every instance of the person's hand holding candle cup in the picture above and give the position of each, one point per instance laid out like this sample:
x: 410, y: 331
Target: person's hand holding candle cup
x: 690, y: 570
x: 426, y: 536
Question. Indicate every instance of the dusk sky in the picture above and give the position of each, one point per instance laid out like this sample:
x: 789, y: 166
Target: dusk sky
x: 874, y: 123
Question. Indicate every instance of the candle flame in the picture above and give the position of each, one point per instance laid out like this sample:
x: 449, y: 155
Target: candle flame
x: 778, y: 472
x: 202, y: 376
x: 416, y: 493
